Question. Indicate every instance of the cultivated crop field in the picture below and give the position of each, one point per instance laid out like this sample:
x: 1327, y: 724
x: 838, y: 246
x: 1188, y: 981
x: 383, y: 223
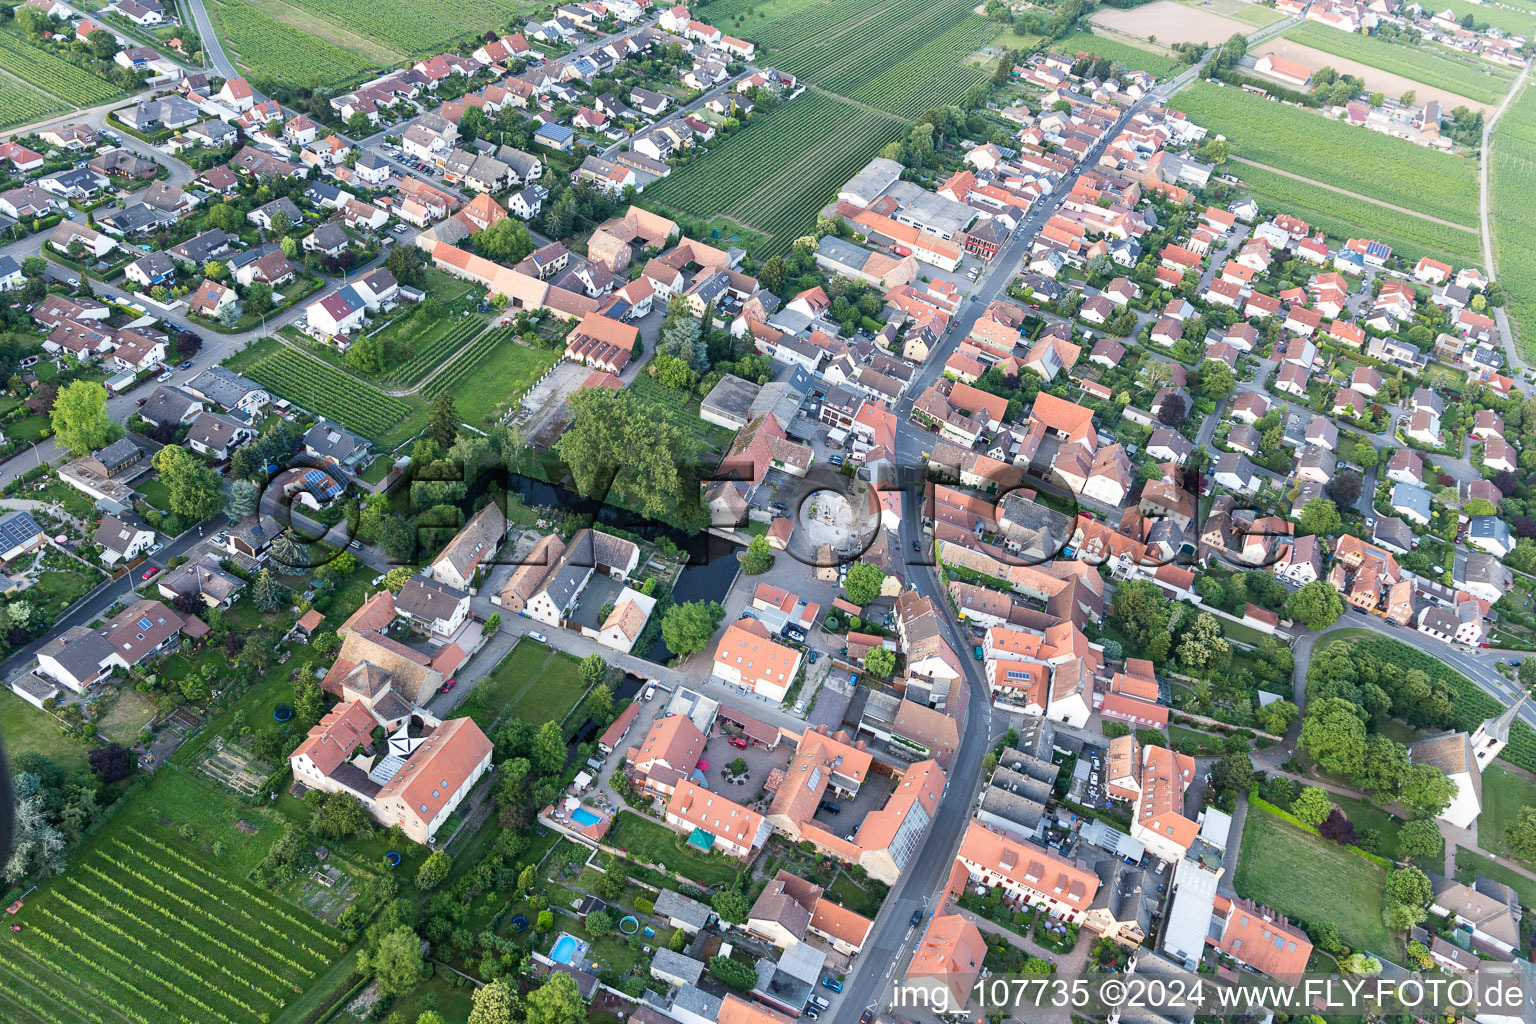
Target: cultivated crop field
x: 1522, y: 22
x: 139, y: 931
x: 431, y: 355
x: 1346, y: 217
x: 1133, y: 57
x: 1436, y: 67
x: 326, y: 391
x: 410, y: 26
x: 1295, y: 140
x: 274, y: 52
x: 42, y: 70
x: 20, y: 104
x: 1512, y: 178
x: 777, y: 173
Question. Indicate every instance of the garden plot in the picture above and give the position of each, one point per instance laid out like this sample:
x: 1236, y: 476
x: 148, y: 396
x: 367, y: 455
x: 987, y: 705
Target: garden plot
x: 1171, y: 23
x: 233, y: 766
x: 1375, y: 79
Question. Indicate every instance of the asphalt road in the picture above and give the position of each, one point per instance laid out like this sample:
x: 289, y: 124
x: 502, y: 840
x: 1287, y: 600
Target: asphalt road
x: 888, y: 951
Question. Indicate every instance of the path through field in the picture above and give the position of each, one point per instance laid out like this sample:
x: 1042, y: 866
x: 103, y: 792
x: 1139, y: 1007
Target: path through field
x: 1345, y: 192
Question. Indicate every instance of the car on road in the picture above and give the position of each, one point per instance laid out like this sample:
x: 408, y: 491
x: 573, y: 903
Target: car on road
x: 450, y: 684
x: 164, y: 377
x: 738, y: 742
x: 916, y: 546
x: 149, y: 573
x: 540, y: 637
x: 187, y: 365
x: 917, y: 917
x: 833, y: 984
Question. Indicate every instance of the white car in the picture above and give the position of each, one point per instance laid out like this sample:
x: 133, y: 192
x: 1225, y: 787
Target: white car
x: 164, y: 377
x: 378, y: 579
x: 540, y: 637
x: 799, y: 707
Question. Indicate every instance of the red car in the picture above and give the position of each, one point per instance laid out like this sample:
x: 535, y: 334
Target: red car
x: 150, y: 572
x: 738, y: 743
x: 447, y: 686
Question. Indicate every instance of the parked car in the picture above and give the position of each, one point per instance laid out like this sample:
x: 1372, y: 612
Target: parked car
x: 738, y: 742
x: 810, y: 1012
x: 831, y: 806
x: 187, y: 365
x: 447, y: 686
x: 164, y: 377
x: 917, y: 917
x: 149, y: 573
x: 821, y: 1002
x: 799, y: 707
x: 540, y: 637
x: 833, y: 984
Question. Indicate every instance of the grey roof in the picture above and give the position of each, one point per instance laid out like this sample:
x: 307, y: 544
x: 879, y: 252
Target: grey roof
x: 256, y: 531
x: 80, y: 650
x: 732, y: 397
x: 213, y: 430
x: 202, y: 247
x: 222, y: 385
x: 17, y: 529
x: 117, y: 454
x: 329, y: 235
x: 1411, y: 496
x: 676, y: 965
x: 115, y: 533
x: 168, y: 404
x: 1012, y: 807
x: 671, y: 904
x: 695, y: 1000
x: 1390, y: 531
x: 1477, y: 567
x: 152, y: 264
x: 331, y: 440
x: 428, y: 599
x: 877, y: 176
x: 1032, y: 765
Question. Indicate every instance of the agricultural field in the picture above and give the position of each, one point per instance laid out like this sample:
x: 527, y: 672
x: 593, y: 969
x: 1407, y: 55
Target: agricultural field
x: 1436, y: 67
x: 1346, y: 217
x: 1521, y: 22
x: 1292, y: 139
x: 22, y: 104
x: 43, y: 71
x: 141, y: 930
x: 411, y: 26
x: 761, y: 178
x: 322, y: 389
x: 455, y: 333
x: 1512, y: 179
x: 273, y: 52
x: 1133, y: 57
x: 501, y: 369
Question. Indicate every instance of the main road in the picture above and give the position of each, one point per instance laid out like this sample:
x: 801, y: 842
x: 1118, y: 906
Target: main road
x: 920, y: 888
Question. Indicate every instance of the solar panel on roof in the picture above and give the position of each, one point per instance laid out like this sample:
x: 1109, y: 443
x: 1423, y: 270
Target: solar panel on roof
x: 145, y: 624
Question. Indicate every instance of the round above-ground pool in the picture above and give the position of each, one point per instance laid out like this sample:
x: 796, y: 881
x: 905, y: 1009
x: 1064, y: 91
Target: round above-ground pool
x: 393, y: 858
x: 628, y: 924
x: 282, y: 712
x: 520, y: 923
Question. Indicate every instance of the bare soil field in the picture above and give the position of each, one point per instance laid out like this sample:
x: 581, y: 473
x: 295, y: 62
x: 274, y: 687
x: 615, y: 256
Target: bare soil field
x: 1171, y: 23
x: 1374, y: 78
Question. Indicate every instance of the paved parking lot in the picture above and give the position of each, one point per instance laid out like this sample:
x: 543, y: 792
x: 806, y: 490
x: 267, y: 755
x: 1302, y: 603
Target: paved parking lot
x: 852, y: 812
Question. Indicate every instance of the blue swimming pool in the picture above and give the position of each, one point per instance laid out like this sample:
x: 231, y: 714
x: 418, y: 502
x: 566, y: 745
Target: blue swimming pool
x: 565, y: 949
x: 584, y: 817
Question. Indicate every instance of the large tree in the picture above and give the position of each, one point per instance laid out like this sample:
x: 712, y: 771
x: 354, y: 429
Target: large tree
x: 496, y: 1003
x: 195, y: 487
x: 863, y: 582
x: 1420, y: 838
x: 1334, y: 735
x: 1321, y: 517
x: 1317, y: 605
x: 1311, y: 806
x: 1520, y: 834
x: 759, y: 557
x: 1140, y: 611
x: 687, y: 627
x: 1427, y: 790
x: 395, y: 961
x: 554, y: 1002
x: 880, y: 662
x: 80, y: 420
x: 616, y: 438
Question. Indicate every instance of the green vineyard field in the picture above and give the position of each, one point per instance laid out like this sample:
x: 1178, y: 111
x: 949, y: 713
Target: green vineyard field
x: 42, y: 70
x: 409, y: 26
x: 20, y: 104
x: 328, y: 392
x: 1512, y: 178
x: 1305, y: 143
x: 274, y: 52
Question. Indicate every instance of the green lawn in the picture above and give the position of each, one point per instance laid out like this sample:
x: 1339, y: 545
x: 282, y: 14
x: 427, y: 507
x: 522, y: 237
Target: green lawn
x: 534, y: 682
x: 846, y: 891
x: 156, y: 494
x: 28, y: 730
x: 74, y: 501
x: 652, y: 843
x: 1198, y: 744
x: 132, y: 712
x: 500, y: 379
x: 1469, y: 864
x: 1312, y: 881
x: 1504, y: 794
x: 1365, y: 815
